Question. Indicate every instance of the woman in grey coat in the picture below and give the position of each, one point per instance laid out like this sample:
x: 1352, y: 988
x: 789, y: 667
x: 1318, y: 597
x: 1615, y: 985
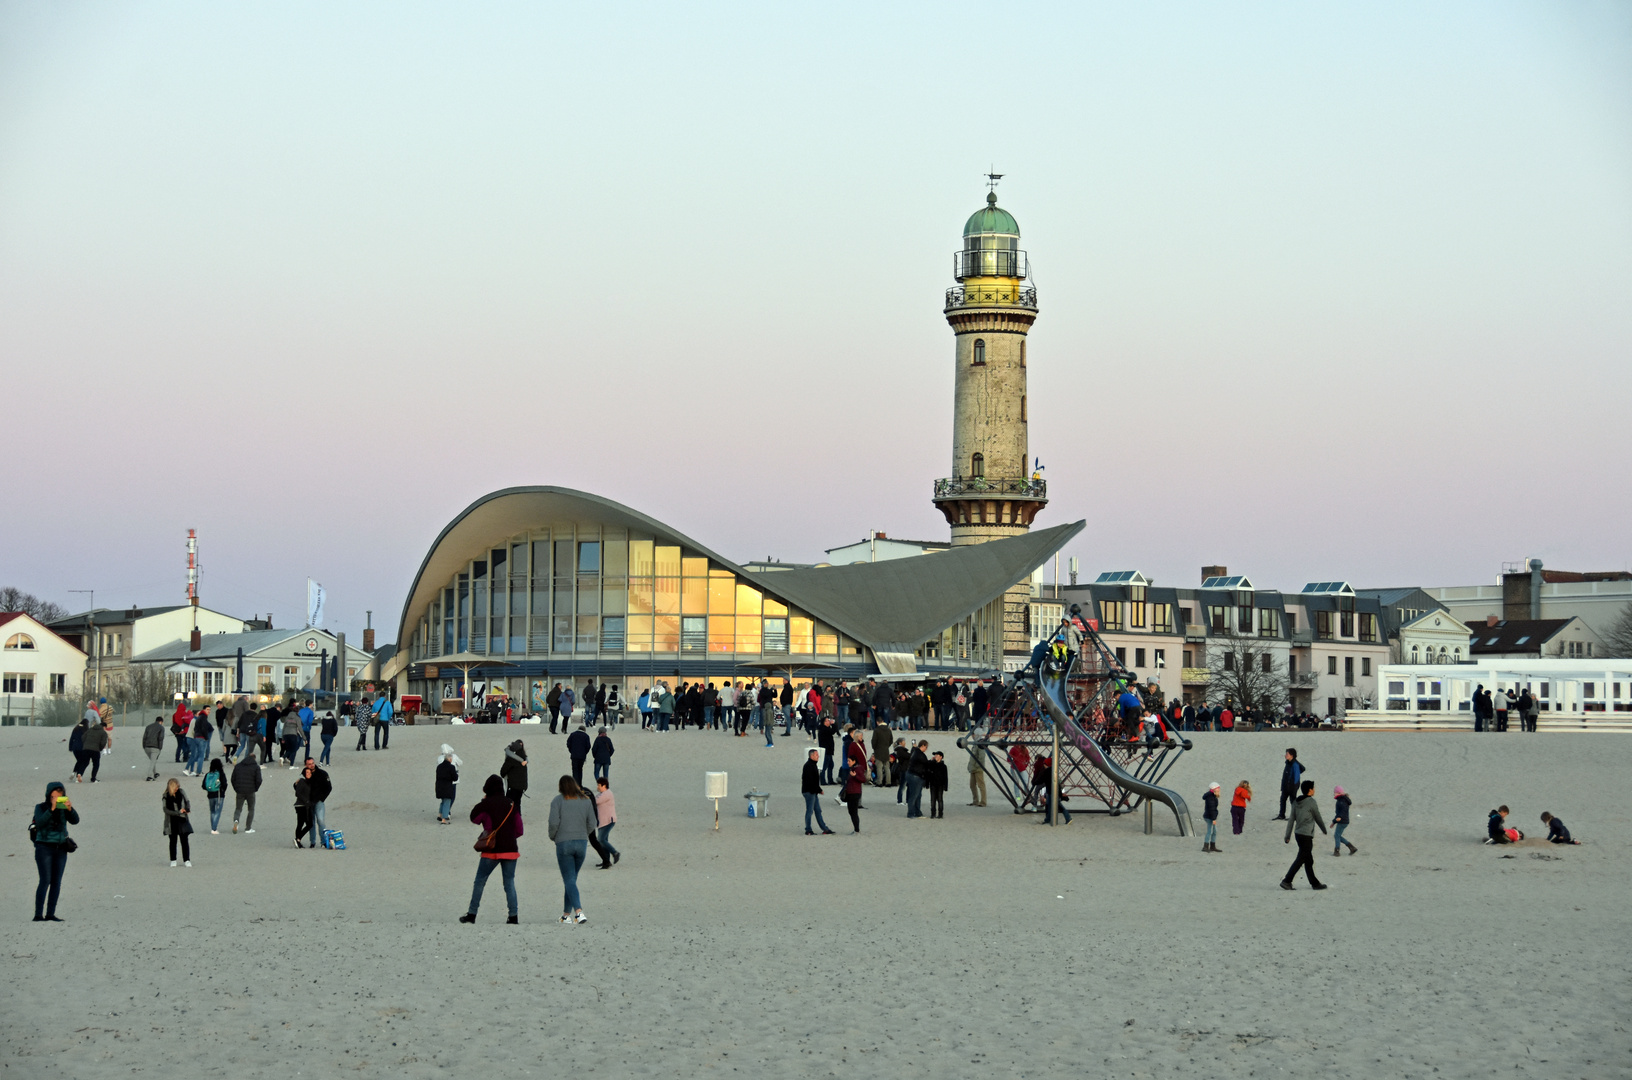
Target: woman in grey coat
x: 572, y: 823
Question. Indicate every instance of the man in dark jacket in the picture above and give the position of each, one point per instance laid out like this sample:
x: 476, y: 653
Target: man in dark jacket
x: 810, y: 785
x: 917, y: 776
x: 246, y: 781
x: 318, y: 789
x: 981, y: 701
x: 938, y: 780
x: 514, y: 772
x: 578, y: 749
x: 1291, y: 777
x: 882, y: 737
x: 824, y: 743
x: 552, y: 701
x: 883, y: 697
x: 152, y: 743
x: 602, y: 752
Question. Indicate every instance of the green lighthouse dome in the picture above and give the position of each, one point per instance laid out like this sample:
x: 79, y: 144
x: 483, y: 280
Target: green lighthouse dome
x: 992, y: 219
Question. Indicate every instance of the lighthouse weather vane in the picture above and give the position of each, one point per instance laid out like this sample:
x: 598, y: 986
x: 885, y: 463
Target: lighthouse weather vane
x: 991, y: 181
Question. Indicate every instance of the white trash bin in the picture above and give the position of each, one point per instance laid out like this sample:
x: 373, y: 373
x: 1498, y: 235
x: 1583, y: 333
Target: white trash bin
x: 759, y: 804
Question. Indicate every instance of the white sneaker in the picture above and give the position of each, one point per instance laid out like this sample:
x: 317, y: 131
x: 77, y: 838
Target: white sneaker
x: 215, y: 832
x: 188, y: 863
x: 249, y: 832
x: 172, y: 862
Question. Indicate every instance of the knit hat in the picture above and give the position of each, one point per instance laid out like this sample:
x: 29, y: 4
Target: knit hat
x: 1337, y: 791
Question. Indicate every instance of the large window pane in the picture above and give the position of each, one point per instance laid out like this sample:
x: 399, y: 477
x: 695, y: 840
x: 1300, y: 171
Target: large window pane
x: 640, y: 595
x: 639, y: 634
x: 801, y: 635
x: 748, y: 601
x: 518, y: 561
x: 496, y: 638
x: 693, y: 567
x: 589, y: 633
x: 722, y: 593
x: 772, y: 607
x: 666, y: 598
x: 614, y: 598
x: 748, y: 633
x: 589, y: 557
x: 666, y: 633
x: 693, y: 596
x: 541, y: 560
x: 589, y: 595
x: 721, y: 633
x: 776, y: 635
x: 538, y: 639
x: 563, y: 560
x: 640, y: 559
x: 563, y: 634
x: 667, y: 557
x: 615, y: 558
x: 827, y: 641
x: 693, y: 634
x: 612, y: 634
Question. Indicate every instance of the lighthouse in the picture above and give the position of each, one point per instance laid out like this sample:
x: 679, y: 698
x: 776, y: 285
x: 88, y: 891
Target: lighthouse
x: 991, y: 493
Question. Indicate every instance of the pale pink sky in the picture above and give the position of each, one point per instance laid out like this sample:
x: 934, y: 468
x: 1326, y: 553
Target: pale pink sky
x: 1326, y: 292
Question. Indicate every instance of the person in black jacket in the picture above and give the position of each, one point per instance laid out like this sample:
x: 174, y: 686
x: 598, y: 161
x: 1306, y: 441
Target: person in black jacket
x: 514, y: 771
x: 578, y: 747
x: 602, y: 751
x: 917, y: 776
x: 938, y: 780
x: 447, y: 783
x: 1291, y: 777
x: 824, y: 743
x: 1209, y: 814
x: 246, y: 781
x: 810, y: 785
x: 318, y: 789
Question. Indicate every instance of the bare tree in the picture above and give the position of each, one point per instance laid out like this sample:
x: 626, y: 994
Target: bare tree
x: 1245, y: 674
x: 15, y: 599
x: 1618, y: 638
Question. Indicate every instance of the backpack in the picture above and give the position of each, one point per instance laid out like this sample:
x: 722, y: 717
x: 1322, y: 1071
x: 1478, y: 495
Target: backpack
x: 212, y: 782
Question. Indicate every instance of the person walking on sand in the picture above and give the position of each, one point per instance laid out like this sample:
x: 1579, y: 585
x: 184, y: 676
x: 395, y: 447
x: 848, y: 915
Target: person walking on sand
x: 1340, y: 821
x: 606, y: 812
x: 176, y: 808
x: 917, y: 774
x: 152, y: 744
x: 52, y: 844
x: 977, y: 779
x: 95, y: 740
x: 447, y: 783
x: 303, y: 809
x: 328, y: 728
x: 319, y: 788
x: 246, y: 781
x: 1305, y: 818
x: 382, y: 723
x: 1238, y: 806
x: 810, y: 786
x: 1209, y: 814
x: 572, y: 820
x: 514, y: 771
x: 500, y: 819
x: 938, y: 781
x: 855, y: 756
x: 1291, y: 777
x: 578, y: 747
x: 601, y: 752
x: 215, y: 791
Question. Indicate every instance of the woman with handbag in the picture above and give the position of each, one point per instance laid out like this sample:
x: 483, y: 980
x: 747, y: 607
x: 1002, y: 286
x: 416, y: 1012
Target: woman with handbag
x: 500, y: 819
x: 49, y: 831
x: 176, y: 826
x: 572, y: 823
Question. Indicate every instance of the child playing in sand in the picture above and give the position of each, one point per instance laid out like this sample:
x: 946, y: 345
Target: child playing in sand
x: 1238, y: 806
x: 1340, y: 821
x: 1556, y: 832
x: 1499, y: 832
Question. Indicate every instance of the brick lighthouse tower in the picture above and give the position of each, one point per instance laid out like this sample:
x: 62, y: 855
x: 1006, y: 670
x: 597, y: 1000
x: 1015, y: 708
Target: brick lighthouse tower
x: 990, y: 494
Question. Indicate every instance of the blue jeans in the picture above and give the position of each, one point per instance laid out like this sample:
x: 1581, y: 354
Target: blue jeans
x: 1337, y: 835
x: 569, y: 856
x: 328, y: 744
x: 318, y: 823
x: 708, y: 715
x: 216, y: 803
x: 444, y: 808
x: 197, y: 751
x: 827, y: 765
x: 51, y: 861
x: 813, y: 805
x: 770, y: 725
x: 663, y: 721
x: 484, y: 868
x: 603, y: 771
x: 1212, y: 833
x: 602, y: 833
x: 915, y: 795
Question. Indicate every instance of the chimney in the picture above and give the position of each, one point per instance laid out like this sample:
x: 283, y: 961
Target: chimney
x: 197, y: 641
x: 368, y: 641
x: 1491, y: 621
x: 1214, y: 571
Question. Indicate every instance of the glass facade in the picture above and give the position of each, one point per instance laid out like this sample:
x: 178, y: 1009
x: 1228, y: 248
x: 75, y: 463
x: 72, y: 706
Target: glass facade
x: 586, y: 590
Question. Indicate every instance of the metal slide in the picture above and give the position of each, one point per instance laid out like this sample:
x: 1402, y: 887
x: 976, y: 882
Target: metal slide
x: 1059, y: 714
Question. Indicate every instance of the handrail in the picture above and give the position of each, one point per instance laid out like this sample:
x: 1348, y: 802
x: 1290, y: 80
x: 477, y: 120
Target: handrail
x: 956, y: 486
x: 961, y: 296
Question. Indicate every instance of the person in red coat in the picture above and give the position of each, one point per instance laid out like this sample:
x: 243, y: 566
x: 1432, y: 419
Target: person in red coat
x: 855, y: 756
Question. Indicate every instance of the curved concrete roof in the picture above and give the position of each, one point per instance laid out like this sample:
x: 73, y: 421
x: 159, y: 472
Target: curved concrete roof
x: 892, y: 606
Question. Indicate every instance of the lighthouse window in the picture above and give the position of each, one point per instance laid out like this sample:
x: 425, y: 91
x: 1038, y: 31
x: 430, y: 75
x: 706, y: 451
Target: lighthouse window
x: 980, y: 352
x: 1023, y: 408
x: 977, y: 465
x: 1022, y: 352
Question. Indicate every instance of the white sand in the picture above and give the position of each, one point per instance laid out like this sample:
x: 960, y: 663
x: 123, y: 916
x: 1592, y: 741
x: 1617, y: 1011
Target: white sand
x: 982, y: 945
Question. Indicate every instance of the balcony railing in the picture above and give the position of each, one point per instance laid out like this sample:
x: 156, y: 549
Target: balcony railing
x: 987, y: 262
x: 988, y: 487
x: 961, y: 296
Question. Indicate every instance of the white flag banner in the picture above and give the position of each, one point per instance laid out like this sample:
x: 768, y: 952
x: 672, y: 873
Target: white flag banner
x: 315, y: 599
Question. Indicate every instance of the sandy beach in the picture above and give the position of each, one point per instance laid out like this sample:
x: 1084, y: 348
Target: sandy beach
x: 980, y: 945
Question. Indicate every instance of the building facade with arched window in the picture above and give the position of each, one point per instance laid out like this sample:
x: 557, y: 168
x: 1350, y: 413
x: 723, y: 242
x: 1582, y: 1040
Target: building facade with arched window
x: 35, y: 663
x: 553, y: 585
